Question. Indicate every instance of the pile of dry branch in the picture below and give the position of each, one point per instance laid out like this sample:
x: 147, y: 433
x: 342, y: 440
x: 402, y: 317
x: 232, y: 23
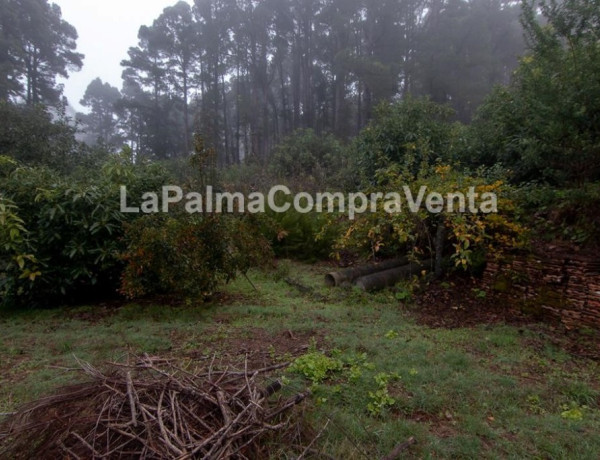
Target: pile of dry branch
x: 153, y: 409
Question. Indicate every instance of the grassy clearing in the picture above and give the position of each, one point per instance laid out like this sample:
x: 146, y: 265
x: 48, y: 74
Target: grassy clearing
x: 483, y: 392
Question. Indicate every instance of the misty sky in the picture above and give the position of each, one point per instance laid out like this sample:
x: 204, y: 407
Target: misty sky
x: 107, y: 29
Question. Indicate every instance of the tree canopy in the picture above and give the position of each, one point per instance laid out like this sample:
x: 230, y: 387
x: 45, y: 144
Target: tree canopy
x: 36, y: 46
x: 546, y: 124
x: 245, y: 74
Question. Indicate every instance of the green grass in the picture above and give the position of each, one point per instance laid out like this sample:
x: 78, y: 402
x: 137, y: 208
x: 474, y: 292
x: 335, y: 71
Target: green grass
x: 483, y: 392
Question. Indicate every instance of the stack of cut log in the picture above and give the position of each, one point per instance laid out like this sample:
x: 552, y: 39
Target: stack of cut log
x: 155, y: 410
x: 377, y: 276
x: 565, y: 288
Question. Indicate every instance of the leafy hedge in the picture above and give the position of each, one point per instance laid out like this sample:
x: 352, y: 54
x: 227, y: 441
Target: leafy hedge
x: 64, y: 238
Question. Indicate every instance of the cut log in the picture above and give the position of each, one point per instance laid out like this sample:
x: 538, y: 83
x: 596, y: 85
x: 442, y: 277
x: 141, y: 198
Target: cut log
x: 348, y: 275
x: 390, y: 277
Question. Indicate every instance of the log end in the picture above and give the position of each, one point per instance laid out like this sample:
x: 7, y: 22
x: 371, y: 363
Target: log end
x: 331, y: 279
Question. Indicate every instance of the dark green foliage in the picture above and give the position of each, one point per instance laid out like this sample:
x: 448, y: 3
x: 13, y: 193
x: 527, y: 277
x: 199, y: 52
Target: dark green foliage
x: 36, y: 47
x: 309, y: 159
x: 307, y: 237
x: 546, y: 125
x: 65, y: 238
x: 7, y: 166
x: 72, y: 231
x: 414, y: 131
x: 70, y: 242
x: 571, y: 214
x: 17, y: 264
x: 30, y: 135
x: 188, y: 255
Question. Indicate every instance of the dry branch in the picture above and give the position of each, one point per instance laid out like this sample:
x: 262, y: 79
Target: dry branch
x: 152, y: 409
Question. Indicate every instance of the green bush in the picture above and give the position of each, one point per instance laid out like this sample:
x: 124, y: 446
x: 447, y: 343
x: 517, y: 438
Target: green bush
x: 310, y: 159
x: 571, y: 214
x: 72, y: 232
x: 302, y: 236
x: 189, y: 255
x: 466, y: 235
x: 34, y: 136
x: 18, y: 265
x: 545, y: 125
x: 413, y: 131
x: 69, y: 244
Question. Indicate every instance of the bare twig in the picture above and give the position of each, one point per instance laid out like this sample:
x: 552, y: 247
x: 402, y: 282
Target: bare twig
x: 132, y: 404
x: 250, y: 281
x: 316, y: 438
x: 153, y: 408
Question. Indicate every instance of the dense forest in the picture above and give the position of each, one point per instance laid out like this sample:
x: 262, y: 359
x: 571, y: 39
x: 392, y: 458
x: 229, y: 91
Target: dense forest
x: 244, y: 74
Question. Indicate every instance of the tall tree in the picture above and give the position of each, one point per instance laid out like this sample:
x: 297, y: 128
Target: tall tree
x: 181, y: 50
x: 37, y: 46
x: 263, y: 69
x: 546, y: 124
x: 147, y: 93
x: 10, y: 70
x: 102, y: 121
x: 464, y: 49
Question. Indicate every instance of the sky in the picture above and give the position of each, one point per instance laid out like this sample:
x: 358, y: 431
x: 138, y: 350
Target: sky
x: 107, y: 29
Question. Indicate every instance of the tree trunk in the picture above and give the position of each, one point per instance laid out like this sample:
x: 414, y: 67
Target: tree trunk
x: 440, y: 239
x: 186, y: 113
x: 225, y: 122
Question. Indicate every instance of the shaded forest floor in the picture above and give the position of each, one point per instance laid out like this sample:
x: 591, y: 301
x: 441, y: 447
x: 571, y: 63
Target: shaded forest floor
x: 466, y: 380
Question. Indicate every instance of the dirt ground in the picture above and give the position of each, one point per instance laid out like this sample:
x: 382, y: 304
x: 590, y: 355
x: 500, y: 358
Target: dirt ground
x: 459, y: 302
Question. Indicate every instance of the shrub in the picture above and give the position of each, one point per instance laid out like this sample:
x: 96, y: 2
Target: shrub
x: 309, y: 158
x: 413, y: 131
x: 188, y: 255
x: 72, y: 232
x: 18, y: 266
x: 402, y: 231
x: 571, y: 214
x: 545, y: 125
x: 33, y: 135
x: 299, y: 236
x: 302, y: 236
x: 69, y: 233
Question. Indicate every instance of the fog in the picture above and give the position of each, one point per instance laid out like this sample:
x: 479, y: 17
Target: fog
x: 106, y: 30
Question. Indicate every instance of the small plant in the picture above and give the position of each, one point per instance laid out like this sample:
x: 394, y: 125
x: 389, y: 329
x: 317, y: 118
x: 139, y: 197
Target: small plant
x: 534, y: 404
x: 381, y: 398
x: 357, y: 364
x: 403, y: 294
x: 574, y: 412
x: 391, y: 335
x: 479, y: 293
x: 355, y: 373
x: 316, y: 366
x: 405, y: 290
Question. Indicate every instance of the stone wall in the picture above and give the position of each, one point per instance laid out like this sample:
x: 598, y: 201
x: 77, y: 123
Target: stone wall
x: 559, y: 287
